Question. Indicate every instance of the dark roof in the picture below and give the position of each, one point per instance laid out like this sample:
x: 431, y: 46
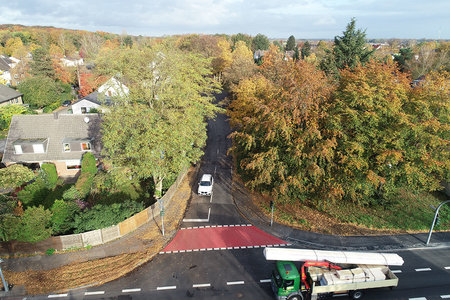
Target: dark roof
x: 7, y: 93
x: 26, y: 128
x: 4, y: 63
x: 93, y: 97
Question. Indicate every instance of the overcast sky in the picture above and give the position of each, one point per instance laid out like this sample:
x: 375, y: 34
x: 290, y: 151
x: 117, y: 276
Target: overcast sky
x: 274, y: 18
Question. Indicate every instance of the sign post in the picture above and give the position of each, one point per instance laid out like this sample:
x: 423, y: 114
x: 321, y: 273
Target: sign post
x: 271, y: 216
x: 5, y: 284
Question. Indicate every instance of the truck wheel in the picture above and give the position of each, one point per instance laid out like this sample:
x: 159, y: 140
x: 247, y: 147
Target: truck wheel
x: 356, y: 295
x: 296, y: 297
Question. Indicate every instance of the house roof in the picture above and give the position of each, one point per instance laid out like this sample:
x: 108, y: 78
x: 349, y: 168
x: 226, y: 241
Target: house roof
x: 56, y: 131
x: 4, y: 63
x: 7, y: 93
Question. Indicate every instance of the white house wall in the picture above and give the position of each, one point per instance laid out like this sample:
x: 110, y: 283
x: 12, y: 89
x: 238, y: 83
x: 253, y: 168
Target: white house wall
x: 76, y: 107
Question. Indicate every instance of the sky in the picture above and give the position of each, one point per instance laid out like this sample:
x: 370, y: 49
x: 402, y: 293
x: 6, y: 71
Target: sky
x: 305, y: 19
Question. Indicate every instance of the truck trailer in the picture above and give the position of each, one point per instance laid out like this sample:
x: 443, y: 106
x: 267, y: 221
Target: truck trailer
x: 322, y: 274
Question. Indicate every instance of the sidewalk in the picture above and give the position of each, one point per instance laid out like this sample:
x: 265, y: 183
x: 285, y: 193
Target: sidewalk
x: 312, y: 240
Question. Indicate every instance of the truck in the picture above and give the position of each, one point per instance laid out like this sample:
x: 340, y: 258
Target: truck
x: 303, y: 274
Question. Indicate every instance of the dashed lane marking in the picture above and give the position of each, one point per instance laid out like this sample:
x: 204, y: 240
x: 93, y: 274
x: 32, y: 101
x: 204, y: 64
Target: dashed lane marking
x: 58, y: 296
x: 445, y: 296
x: 423, y: 269
x: 131, y: 290
x: 396, y: 271
x: 447, y: 268
x: 264, y: 280
x: 199, y: 285
x: 216, y: 226
x: 418, y: 298
x: 163, y: 288
x: 235, y: 282
x: 94, y: 293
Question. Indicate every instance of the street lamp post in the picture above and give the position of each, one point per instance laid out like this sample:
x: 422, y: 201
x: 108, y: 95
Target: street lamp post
x: 271, y: 215
x: 434, y: 220
x: 162, y: 212
x: 5, y: 284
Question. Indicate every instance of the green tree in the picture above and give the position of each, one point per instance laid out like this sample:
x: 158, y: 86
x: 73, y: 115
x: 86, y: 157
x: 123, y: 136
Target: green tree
x: 35, y: 224
x: 306, y: 50
x: 260, y: 42
x: 162, y: 125
x: 278, y: 44
x: 63, y: 215
x: 290, y: 44
x: 235, y: 38
x: 42, y: 64
x: 348, y: 51
x: 40, y: 91
x: 7, y: 111
x: 49, y: 174
x: 403, y: 57
x: 14, y: 176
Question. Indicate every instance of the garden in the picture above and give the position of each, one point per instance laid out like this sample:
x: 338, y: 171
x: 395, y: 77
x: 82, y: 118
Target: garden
x: 35, y: 205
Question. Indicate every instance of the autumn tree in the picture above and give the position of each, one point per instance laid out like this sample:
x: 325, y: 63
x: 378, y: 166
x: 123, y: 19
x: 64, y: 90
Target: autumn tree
x: 242, y: 66
x: 14, y: 176
x: 7, y: 111
x: 247, y: 39
x: 290, y: 44
x: 223, y: 59
x: 390, y: 135
x: 277, y: 116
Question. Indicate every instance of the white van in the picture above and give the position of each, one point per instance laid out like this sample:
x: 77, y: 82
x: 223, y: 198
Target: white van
x: 205, y: 185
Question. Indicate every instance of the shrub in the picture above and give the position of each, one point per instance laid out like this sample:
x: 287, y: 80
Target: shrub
x: 50, y: 251
x: 71, y: 194
x: 35, y: 224
x: 63, y: 213
x: 101, y: 216
x: 14, y: 176
x: 84, y: 184
x: 9, y: 227
x: 33, y: 193
x: 88, y: 164
x: 50, y: 175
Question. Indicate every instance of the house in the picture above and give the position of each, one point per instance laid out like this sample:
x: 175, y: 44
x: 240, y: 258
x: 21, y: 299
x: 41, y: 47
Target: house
x: 61, y: 139
x: 71, y: 62
x: 9, y: 96
x: 102, y: 97
x: 5, y: 65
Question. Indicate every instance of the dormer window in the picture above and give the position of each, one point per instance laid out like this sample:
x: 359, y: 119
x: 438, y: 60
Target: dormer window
x: 86, y: 146
x: 25, y: 146
x: 66, y: 147
x: 18, y: 149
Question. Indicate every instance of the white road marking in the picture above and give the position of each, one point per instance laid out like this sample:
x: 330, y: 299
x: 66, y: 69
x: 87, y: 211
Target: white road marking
x: 447, y: 268
x: 249, y: 224
x: 423, y: 269
x: 201, y: 285
x: 235, y: 282
x: 264, y: 280
x: 340, y: 295
x: 162, y: 288
x: 418, y: 298
x: 94, y: 293
x: 182, y: 251
x: 445, y: 296
x: 396, y: 271
x: 216, y: 248
x: 209, y: 249
x: 58, y: 295
x: 131, y: 290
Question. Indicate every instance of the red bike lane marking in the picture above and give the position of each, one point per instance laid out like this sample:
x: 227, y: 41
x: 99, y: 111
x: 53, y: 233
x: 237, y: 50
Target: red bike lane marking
x: 221, y: 237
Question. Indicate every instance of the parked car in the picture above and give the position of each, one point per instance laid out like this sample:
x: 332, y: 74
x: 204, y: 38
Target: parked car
x: 66, y: 103
x: 205, y: 185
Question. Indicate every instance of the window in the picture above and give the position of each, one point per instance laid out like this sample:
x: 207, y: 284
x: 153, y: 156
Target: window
x: 73, y: 164
x: 38, y: 148
x: 66, y: 147
x: 86, y: 146
x: 83, y: 110
x: 18, y: 149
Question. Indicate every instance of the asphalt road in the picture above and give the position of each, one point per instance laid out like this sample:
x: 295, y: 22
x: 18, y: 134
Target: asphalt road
x: 244, y: 273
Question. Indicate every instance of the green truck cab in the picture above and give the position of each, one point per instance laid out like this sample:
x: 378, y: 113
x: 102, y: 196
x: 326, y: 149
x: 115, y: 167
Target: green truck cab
x: 286, y: 281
